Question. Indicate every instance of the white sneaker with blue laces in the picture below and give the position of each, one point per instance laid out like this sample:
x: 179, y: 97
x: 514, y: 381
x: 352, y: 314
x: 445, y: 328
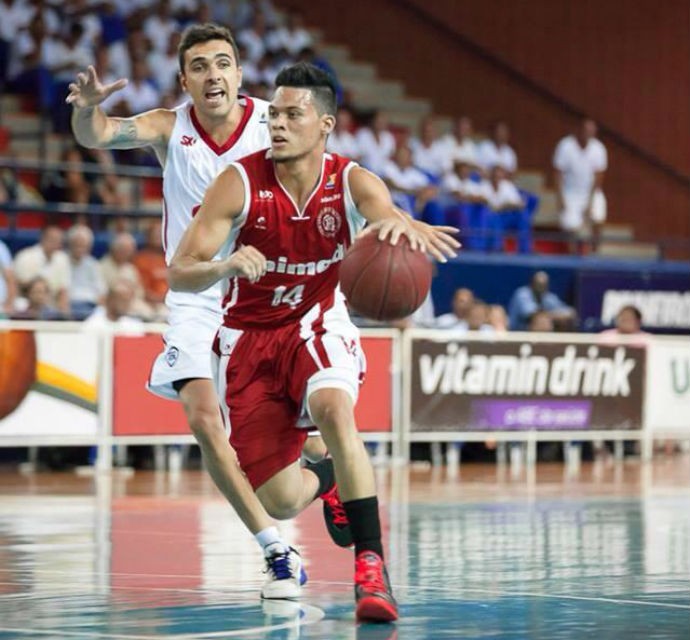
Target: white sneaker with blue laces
x: 285, y: 574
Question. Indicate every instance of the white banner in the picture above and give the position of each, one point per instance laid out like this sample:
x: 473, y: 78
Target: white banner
x: 668, y: 384
x: 48, y: 384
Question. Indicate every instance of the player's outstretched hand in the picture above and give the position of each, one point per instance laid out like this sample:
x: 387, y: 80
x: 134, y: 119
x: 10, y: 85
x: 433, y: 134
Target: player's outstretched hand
x: 88, y: 90
x: 393, y: 228
x: 246, y: 262
x: 439, y: 240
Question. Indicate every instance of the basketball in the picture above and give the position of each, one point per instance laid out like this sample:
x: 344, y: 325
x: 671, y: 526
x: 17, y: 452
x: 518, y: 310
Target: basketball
x: 17, y: 368
x: 383, y: 281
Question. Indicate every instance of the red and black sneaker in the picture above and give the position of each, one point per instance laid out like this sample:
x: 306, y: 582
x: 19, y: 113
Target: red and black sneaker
x: 336, y: 519
x: 373, y: 595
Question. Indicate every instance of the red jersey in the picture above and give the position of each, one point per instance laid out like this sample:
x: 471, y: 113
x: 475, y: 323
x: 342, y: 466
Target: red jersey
x: 303, y: 249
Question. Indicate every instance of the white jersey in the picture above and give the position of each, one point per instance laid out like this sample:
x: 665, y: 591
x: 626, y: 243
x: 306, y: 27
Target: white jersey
x: 193, y: 160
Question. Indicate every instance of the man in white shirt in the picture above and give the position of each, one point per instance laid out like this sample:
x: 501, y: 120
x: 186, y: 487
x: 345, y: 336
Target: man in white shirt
x: 496, y: 150
x: 376, y: 143
x: 459, y: 143
x: 87, y: 287
x: 341, y: 140
x: 48, y: 260
x: 579, y: 162
x: 507, y: 210
x: 429, y: 153
x: 457, y: 319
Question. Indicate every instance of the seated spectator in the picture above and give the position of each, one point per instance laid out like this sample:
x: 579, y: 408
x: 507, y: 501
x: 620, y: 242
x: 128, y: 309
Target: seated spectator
x: 498, y: 318
x: 459, y: 143
x: 37, y: 303
x: 292, y: 38
x: 116, y: 311
x: 429, y: 153
x: 48, y: 260
x: 117, y: 265
x: 497, y: 151
x: 150, y: 263
x: 508, y: 211
x: 478, y: 318
x: 376, y: 142
x: 254, y: 37
x: 541, y: 321
x: 580, y: 162
x: 87, y: 287
x: 459, y: 183
x: 139, y: 95
x: 70, y: 184
x: 14, y: 17
x: 412, y: 189
x: 341, y: 140
x: 166, y: 64
x: 527, y: 300
x: 628, y: 324
x: 457, y: 319
x: 8, y: 282
x: 159, y: 26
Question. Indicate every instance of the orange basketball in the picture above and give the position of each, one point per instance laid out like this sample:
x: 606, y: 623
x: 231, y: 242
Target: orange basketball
x: 17, y: 368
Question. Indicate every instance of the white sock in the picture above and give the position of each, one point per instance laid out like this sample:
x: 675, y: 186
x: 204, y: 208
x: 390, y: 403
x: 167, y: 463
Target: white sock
x: 270, y: 537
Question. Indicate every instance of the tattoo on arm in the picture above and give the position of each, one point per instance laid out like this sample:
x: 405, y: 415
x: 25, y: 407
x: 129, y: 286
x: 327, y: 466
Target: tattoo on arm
x: 125, y: 131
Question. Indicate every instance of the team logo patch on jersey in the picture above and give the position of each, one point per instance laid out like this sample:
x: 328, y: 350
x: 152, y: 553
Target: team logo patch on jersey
x: 187, y: 141
x: 265, y: 194
x: 171, y: 356
x: 328, y: 222
x: 330, y: 183
x: 261, y: 222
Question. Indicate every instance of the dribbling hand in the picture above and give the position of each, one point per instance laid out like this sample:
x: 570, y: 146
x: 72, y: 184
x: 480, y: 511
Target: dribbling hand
x: 88, y: 90
x: 246, y: 262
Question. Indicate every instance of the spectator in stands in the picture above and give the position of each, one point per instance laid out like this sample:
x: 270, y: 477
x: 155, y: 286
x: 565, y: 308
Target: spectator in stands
x: 580, y: 162
x: 14, y: 16
x: 429, y: 153
x: 309, y: 55
x: 82, y: 12
x: 116, y: 311
x: 463, y: 301
x: 341, y: 140
x: 292, y: 38
x: 87, y: 287
x: 48, y: 260
x: 166, y: 64
x: 628, y: 323
x: 459, y: 143
x: 497, y: 151
x: 527, y: 300
x: 139, y: 95
x: 498, y: 318
x: 150, y: 263
x: 478, y: 318
x: 508, y: 211
x: 540, y: 321
x: 159, y: 26
x: 376, y: 142
x: 411, y: 189
x: 38, y: 302
x: 117, y: 265
x: 459, y: 183
x: 8, y: 282
x: 70, y: 184
x: 254, y: 37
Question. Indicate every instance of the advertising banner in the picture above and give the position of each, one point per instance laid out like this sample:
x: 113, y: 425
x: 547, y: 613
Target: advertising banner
x: 479, y: 386
x: 137, y: 412
x: 668, y: 385
x: 48, y: 384
x: 663, y: 299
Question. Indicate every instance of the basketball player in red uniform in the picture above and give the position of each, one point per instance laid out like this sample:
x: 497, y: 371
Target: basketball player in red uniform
x: 288, y: 354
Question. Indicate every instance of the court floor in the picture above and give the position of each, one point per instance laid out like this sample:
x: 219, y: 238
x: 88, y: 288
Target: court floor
x: 602, y: 551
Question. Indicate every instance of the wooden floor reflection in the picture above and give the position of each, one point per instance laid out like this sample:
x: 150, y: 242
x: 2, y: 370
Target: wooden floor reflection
x: 480, y: 551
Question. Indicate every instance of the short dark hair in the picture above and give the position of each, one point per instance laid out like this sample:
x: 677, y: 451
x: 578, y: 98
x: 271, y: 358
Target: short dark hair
x: 304, y: 75
x: 632, y: 309
x: 199, y: 33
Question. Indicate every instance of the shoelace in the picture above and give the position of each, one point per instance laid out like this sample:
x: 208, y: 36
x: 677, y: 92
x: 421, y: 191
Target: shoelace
x: 280, y: 566
x: 369, y: 577
x: 337, y: 509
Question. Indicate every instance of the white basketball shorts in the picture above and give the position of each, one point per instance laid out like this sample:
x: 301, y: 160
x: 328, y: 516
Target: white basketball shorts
x: 188, y: 349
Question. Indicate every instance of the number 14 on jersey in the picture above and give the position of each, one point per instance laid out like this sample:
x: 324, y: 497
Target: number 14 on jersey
x: 283, y: 295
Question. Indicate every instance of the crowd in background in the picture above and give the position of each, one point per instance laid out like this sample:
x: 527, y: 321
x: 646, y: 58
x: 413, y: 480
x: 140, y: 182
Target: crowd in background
x: 457, y: 178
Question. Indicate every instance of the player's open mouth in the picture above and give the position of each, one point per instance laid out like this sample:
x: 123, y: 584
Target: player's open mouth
x: 215, y: 96
x: 278, y: 140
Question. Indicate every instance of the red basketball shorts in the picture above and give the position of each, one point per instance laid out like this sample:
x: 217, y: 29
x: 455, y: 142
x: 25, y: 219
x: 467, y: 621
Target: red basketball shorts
x: 265, y: 377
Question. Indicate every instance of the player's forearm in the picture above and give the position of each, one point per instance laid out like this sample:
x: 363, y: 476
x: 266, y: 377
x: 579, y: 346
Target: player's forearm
x: 188, y: 274
x: 90, y: 126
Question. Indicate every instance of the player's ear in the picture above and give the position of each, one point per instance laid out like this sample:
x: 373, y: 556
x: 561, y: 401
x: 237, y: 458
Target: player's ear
x: 327, y: 123
x: 239, y: 76
x: 183, y: 80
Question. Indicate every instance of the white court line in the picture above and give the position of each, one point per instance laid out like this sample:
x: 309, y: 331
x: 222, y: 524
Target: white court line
x: 311, y: 615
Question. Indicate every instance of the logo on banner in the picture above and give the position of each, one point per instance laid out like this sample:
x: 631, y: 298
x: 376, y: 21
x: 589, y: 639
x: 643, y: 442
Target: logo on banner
x: 171, y: 356
x: 328, y: 222
x: 680, y: 375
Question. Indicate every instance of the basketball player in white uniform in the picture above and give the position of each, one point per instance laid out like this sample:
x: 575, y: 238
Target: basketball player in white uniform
x: 193, y: 143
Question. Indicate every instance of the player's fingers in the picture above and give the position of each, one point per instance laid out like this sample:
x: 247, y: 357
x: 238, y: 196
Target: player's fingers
x: 435, y: 253
x: 440, y: 245
x: 115, y: 86
x: 447, y: 239
x: 81, y: 79
x: 445, y: 229
x: 91, y: 74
